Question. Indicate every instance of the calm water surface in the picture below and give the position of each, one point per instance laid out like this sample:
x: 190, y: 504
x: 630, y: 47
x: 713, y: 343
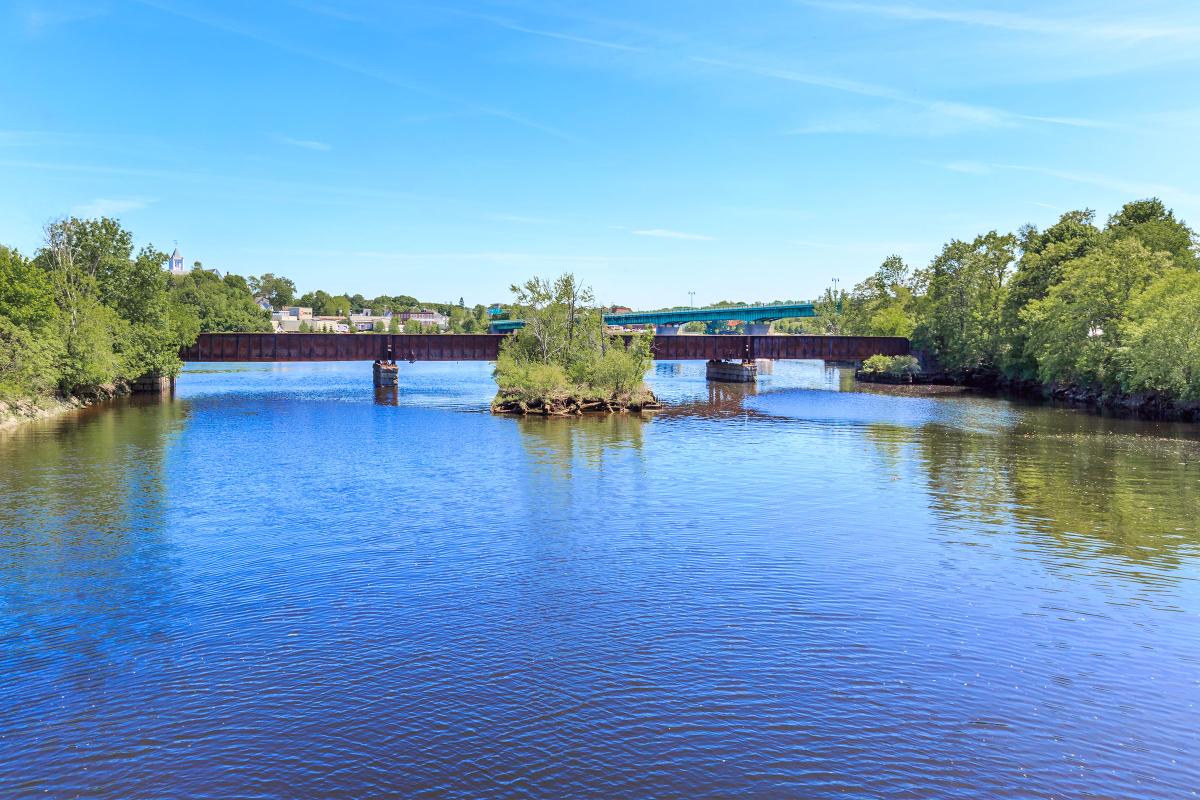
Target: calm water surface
x: 282, y: 584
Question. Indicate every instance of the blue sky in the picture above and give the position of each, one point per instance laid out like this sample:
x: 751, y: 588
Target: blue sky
x: 742, y: 150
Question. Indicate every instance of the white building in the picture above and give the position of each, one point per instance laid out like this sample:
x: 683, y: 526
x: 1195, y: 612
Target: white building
x: 426, y: 318
x: 175, y: 265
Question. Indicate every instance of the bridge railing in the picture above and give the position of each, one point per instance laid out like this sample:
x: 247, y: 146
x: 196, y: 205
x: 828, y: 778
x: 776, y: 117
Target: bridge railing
x: 486, y: 347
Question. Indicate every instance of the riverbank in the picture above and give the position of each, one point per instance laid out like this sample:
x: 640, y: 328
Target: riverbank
x: 19, y: 411
x: 1142, y: 405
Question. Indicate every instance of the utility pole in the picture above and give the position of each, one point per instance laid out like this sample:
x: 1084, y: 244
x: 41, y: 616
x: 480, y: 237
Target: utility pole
x: 837, y: 308
x: 692, y: 299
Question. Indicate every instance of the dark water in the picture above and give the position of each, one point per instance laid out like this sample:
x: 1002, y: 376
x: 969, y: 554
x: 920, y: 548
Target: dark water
x: 282, y: 585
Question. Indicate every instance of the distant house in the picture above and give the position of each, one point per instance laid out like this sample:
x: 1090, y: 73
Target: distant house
x: 426, y: 318
x: 325, y: 324
x: 366, y: 321
x: 620, y: 310
x: 289, y: 320
x: 264, y: 304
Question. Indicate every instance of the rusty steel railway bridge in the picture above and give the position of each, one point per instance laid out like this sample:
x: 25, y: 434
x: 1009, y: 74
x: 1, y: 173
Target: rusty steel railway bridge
x: 486, y: 346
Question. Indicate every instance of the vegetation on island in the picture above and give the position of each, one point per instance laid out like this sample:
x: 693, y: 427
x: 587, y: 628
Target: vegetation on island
x: 895, y: 367
x: 563, y: 361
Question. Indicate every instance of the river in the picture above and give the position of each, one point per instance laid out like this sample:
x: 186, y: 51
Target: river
x: 282, y: 583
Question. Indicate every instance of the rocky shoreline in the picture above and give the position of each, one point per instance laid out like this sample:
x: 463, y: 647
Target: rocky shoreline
x: 14, y: 413
x: 574, y: 405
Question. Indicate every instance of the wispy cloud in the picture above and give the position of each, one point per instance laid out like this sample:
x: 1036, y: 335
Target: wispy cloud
x: 500, y: 22
x: 232, y: 27
x: 1118, y: 185
x: 306, y: 144
x: 965, y: 113
x: 519, y: 219
x: 946, y: 116
x: 291, y: 190
x: 110, y: 206
x: 38, y: 20
x: 1125, y: 30
x: 967, y: 167
x: 664, y: 233
x: 488, y: 256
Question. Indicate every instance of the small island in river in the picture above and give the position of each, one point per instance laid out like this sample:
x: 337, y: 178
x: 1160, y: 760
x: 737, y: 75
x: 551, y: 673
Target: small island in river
x: 564, y: 362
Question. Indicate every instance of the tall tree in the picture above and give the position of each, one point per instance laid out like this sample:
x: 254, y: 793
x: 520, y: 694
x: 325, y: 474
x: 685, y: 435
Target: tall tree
x: 1076, y: 330
x: 1160, y: 346
x: 277, y: 291
x: 965, y: 291
x: 1155, y: 226
x: 1044, y: 255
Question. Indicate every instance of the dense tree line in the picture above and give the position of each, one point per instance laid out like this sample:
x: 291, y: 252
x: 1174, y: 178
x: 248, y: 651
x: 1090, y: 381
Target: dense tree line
x: 1113, y: 308
x: 87, y: 310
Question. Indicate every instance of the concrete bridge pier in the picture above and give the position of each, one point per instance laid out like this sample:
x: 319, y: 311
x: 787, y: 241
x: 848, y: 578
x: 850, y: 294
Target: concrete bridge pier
x: 153, y: 384
x: 668, y: 330
x: 760, y: 328
x: 385, y: 373
x: 732, y: 371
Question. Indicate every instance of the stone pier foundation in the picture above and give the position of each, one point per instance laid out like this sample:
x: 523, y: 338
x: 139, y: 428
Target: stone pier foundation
x: 153, y: 384
x: 732, y: 371
x: 386, y: 373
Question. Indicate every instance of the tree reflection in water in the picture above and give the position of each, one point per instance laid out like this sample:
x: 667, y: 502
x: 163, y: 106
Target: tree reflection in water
x: 83, y: 524
x: 1116, y: 496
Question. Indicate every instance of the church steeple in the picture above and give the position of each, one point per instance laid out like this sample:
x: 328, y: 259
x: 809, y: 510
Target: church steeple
x: 176, y: 263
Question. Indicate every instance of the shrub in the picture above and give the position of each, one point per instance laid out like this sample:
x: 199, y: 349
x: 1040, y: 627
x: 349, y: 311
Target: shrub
x: 877, y: 364
x: 895, y: 366
x: 903, y: 366
x: 28, y: 361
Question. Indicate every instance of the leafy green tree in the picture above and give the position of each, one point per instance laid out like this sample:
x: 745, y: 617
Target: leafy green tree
x: 964, y: 302
x: 316, y: 300
x: 29, y: 363
x: 881, y: 305
x: 26, y: 293
x: 1075, y: 332
x: 563, y: 348
x: 221, y: 304
x: 339, y: 306
x: 412, y: 326
x: 1155, y: 226
x: 394, y: 324
x: 379, y: 327
x: 829, y: 310
x: 31, y: 348
x: 89, y: 328
x: 118, y: 319
x: 1043, y: 257
x: 276, y: 290
x: 1161, y: 343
